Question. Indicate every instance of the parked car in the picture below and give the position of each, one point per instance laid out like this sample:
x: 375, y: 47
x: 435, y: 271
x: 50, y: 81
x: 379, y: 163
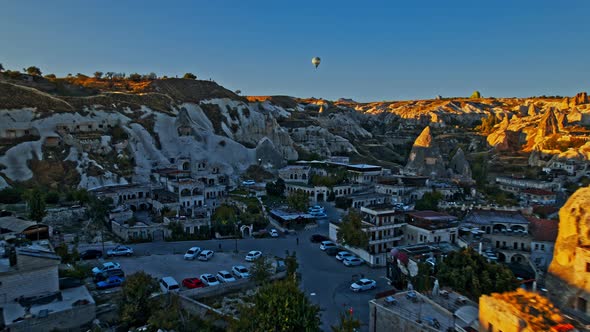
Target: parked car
x: 253, y: 255
x: 274, y: 233
x: 169, y: 284
x: 192, y: 283
x: 90, y: 254
x: 209, y: 279
x: 192, y: 253
x: 205, y: 255
x: 111, y: 282
x: 332, y: 251
x: 352, y: 261
x: 327, y: 244
x: 240, y: 271
x: 248, y: 182
x: 105, y: 267
x: 363, y: 285
x: 343, y: 254
x: 316, y: 209
x: 109, y: 273
x: 317, y: 238
x: 225, y: 276
x: 120, y: 251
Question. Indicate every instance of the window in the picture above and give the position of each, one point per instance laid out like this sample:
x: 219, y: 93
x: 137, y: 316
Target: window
x: 536, y: 246
x: 587, y: 267
x: 543, y: 247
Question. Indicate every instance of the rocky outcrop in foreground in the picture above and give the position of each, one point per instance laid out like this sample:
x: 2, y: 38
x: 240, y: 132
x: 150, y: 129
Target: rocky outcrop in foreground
x: 568, y: 279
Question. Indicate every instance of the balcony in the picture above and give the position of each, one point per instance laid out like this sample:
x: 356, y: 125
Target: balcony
x: 372, y: 228
x: 386, y: 239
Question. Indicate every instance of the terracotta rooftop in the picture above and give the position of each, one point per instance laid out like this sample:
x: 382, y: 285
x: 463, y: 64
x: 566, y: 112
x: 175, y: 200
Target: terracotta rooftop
x: 538, y: 192
x: 543, y: 229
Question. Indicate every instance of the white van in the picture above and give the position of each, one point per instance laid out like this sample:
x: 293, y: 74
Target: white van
x: 168, y: 284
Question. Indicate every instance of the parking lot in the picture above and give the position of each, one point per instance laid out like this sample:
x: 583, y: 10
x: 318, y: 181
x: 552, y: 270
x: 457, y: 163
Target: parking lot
x: 175, y: 266
x: 325, y: 280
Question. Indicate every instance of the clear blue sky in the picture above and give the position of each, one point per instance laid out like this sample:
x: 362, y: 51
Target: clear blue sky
x: 370, y: 50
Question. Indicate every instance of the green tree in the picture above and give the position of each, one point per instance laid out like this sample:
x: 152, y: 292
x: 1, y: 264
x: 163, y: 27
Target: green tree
x: 280, y: 306
x: 471, y: 274
x: 475, y: 95
x: 52, y: 197
x: 276, y: 188
x: 298, y: 201
x: 351, y: 231
x: 429, y: 201
x: 261, y: 270
x: 1, y: 68
x: 135, y: 77
x: 136, y: 303
x: 291, y: 264
x: 347, y: 323
x: 34, y: 71
x: 190, y: 76
x: 98, y: 74
x: 10, y: 195
x: 36, y: 202
x: 50, y: 76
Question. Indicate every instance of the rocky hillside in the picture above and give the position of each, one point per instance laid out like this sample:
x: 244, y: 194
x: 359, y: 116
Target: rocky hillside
x: 97, y: 132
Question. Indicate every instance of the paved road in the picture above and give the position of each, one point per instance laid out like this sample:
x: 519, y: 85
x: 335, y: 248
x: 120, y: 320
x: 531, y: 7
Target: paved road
x: 324, y: 279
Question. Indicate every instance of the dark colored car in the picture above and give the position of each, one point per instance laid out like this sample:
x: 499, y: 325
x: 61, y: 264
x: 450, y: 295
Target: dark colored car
x: 191, y: 283
x: 317, y: 238
x: 111, y: 282
x: 90, y: 254
x: 332, y: 251
x: 110, y: 273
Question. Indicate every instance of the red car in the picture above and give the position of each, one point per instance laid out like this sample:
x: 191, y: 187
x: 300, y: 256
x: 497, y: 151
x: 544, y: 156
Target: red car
x: 191, y: 283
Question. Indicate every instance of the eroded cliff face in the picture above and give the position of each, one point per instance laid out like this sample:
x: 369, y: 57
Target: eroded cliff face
x: 425, y: 158
x: 568, y: 279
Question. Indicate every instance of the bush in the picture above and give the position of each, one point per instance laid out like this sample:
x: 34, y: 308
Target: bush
x: 52, y: 197
x: 190, y: 76
x: 10, y: 196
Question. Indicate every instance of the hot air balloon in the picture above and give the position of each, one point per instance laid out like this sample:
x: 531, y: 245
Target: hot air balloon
x: 316, y: 61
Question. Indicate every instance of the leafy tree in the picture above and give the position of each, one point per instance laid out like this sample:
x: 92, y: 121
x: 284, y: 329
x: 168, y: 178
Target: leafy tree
x: 331, y: 196
x: 52, y: 197
x: 348, y: 323
x: 10, y: 195
x: 475, y: 95
x: 98, y: 74
x: 36, y: 202
x: 429, y: 201
x: 34, y: 71
x: 261, y: 270
x: 238, y: 92
x: 291, y: 264
x: 351, y: 231
x: 1, y: 68
x: 136, y: 304
x: 298, y: 201
x: 471, y: 274
x: 276, y: 188
x: 50, y: 76
x: 151, y: 76
x: 190, y: 76
x: 135, y: 77
x: 280, y: 306
x: 109, y: 75
x: 81, y: 76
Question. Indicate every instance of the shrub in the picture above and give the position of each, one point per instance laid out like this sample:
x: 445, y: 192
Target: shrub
x: 52, y: 197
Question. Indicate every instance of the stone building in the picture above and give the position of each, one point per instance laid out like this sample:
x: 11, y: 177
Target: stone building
x: 295, y: 173
x: 430, y: 227
x: 30, y: 295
